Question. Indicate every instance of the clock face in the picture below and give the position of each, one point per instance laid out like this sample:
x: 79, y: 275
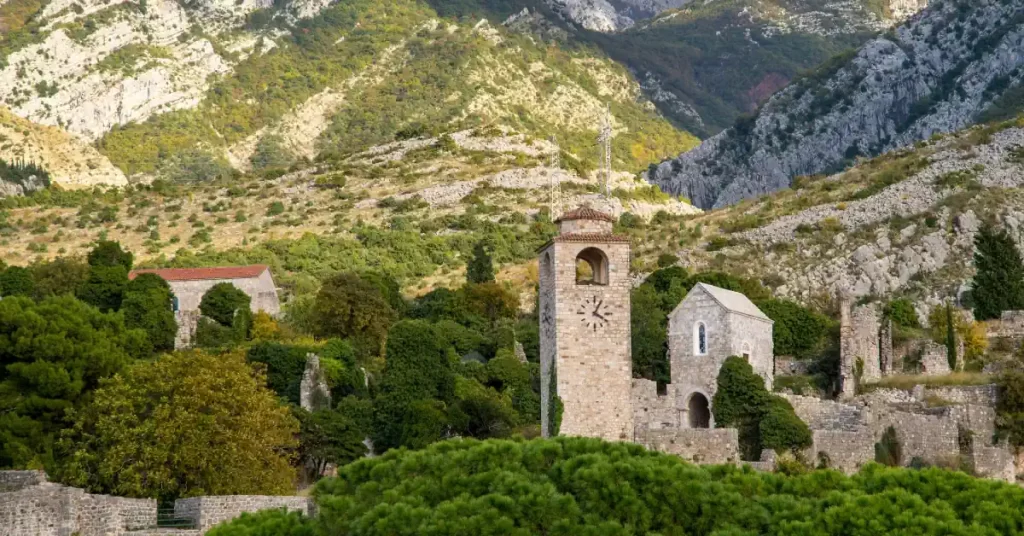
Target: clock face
x: 593, y: 313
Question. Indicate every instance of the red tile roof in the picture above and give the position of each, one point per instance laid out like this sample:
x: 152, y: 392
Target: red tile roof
x: 585, y: 213
x: 197, y: 274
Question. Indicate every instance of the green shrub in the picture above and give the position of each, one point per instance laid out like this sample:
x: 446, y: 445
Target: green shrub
x: 889, y: 451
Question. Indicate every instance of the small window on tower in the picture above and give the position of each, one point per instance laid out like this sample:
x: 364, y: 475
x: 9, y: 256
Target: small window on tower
x: 591, y: 267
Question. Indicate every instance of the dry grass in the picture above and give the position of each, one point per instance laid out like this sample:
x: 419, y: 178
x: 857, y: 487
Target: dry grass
x: 908, y: 382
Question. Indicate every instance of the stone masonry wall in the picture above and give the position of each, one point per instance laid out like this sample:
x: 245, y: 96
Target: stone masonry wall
x: 51, y: 509
x: 931, y: 437
x: 982, y: 395
x: 994, y: 462
x: 261, y: 289
x: 697, y: 373
x: 15, y: 480
x: 704, y: 446
x: 934, y: 361
x: 846, y: 451
x: 652, y: 411
x: 827, y: 415
x: 208, y: 511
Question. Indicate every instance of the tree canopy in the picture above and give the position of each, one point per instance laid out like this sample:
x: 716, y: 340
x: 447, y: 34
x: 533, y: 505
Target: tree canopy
x: 222, y: 301
x: 186, y: 424
x: 109, y: 253
x: 52, y: 354
x: 147, y: 306
x: 348, y: 306
x: 577, y: 486
x: 999, y: 282
x: 480, y: 269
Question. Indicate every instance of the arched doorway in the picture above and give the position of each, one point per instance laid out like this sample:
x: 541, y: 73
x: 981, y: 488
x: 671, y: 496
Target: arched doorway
x: 700, y: 412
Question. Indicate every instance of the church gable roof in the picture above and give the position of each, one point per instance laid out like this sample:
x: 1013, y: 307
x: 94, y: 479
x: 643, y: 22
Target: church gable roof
x: 732, y: 301
x: 198, y: 274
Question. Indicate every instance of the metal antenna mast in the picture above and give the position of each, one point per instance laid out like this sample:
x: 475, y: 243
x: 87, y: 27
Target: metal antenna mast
x: 555, y: 185
x: 604, y: 138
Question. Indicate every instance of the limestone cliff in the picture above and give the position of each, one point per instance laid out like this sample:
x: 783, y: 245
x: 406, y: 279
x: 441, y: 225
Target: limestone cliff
x: 955, y: 63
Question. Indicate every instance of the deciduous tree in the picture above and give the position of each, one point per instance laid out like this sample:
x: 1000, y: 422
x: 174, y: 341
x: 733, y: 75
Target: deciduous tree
x: 183, y: 425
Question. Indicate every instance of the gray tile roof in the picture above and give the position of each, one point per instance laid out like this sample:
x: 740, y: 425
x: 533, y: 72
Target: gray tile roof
x: 733, y: 301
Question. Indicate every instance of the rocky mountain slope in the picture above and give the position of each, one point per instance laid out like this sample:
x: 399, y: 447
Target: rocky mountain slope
x: 899, y: 224
x: 955, y: 63
x: 188, y: 90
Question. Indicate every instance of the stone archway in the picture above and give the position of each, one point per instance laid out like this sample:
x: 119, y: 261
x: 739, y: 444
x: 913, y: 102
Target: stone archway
x: 699, y: 411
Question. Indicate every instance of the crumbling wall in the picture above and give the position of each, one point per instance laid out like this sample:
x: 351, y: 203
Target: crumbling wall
x: 859, y: 330
x: 933, y: 437
x: 652, y: 411
x: 934, y: 359
x: 205, y: 512
x: 314, y: 393
x: 697, y: 445
x: 982, y: 395
x: 790, y: 366
x: 994, y: 462
x: 15, y: 480
x: 843, y: 450
x: 821, y: 414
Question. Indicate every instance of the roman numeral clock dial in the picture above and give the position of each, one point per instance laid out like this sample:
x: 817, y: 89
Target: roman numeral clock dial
x: 593, y: 313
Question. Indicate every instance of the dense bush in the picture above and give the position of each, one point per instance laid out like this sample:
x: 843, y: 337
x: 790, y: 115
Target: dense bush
x: 798, y: 331
x: 764, y: 420
x: 222, y: 302
x: 576, y: 486
x: 902, y: 313
x: 147, y: 306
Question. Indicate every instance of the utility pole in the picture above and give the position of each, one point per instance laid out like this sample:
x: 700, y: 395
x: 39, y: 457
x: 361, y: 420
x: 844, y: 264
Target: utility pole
x: 555, y: 186
x: 604, y: 139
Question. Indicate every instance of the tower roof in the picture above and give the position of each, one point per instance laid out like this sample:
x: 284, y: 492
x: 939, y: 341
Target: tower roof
x: 585, y: 213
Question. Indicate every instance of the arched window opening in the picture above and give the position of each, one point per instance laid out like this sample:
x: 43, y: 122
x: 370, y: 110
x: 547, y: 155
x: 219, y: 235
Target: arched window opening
x: 746, y: 351
x: 591, y: 267
x: 700, y: 411
x: 700, y: 339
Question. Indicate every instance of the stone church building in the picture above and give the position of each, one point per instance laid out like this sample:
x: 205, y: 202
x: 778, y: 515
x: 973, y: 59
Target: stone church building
x: 585, y: 339
x: 189, y: 284
x: 585, y: 355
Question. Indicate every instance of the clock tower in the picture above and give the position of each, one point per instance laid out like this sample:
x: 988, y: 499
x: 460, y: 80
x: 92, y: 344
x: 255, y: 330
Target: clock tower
x: 585, y: 357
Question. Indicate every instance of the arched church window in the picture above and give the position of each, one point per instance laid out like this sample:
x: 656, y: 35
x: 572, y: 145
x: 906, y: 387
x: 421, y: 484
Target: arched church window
x: 700, y: 339
x: 591, y: 267
x: 746, y: 351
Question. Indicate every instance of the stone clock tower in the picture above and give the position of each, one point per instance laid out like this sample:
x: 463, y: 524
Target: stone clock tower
x: 584, y: 329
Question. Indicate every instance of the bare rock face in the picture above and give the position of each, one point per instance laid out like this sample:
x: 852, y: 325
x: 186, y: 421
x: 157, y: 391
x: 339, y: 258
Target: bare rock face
x: 937, y: 73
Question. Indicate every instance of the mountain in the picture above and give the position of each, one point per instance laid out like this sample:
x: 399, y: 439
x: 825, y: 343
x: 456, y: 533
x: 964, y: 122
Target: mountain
x: 814, y: 16
x: 956, y: 63
x: 191, y: 89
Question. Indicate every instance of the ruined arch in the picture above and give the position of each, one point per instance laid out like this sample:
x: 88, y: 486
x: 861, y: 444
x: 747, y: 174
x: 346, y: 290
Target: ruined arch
x: 699, y: 411
x: 592, y: 267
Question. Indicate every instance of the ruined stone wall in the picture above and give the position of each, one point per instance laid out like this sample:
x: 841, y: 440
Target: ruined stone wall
x: 994, y: 462
x: 845, y: 451
x: 47, y: 509
x: 931, y: 437
x: 867, y: 325
x: 15, y: 480
x: 821, y: 414
x: 652, y: 411
x: 934, y: 360
x: 982, y: 395
x: 697, y: 445
x: 187, y: 322
x: 314, y: 393
x: 790, y: 366
x: 208, y: 511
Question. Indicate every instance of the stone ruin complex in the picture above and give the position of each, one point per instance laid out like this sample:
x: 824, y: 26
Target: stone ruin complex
x: 585, y: 361
x: 32, y: 506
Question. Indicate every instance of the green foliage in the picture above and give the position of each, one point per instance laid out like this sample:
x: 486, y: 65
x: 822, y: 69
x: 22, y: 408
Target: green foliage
x: 480, y: 268
x: 213, y: 335
x: 1010, y: 407
x: 889, y: 451
x: 798, y: 331
x: 999, y: 283
x: 763, y: 420
x: 147, y: 306
x: 52, y: 355
x: 105, y: 286
x: 270, y: 155
x: 58, y: 277
x: 109, y: 253
x: 350, y: 307
x: 222, y: 302
x: 902, y: 313
x: 327, y: 437
x: 275, y: 522
x: 22, y: 173
x: 569, y: 486
x: 649, y: 335
x: 16, y: 281
x: 195, y: 165
x: 417, y: 384
x: 284, y: 363
x: 183, y: 425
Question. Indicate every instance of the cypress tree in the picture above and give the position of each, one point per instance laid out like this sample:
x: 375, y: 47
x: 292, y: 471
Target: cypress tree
x: 481, y: 267
x: 999, y: 283
x: 950, y: 338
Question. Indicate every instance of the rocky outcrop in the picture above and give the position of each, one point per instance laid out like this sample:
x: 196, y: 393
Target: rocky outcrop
x: 934, y: 74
